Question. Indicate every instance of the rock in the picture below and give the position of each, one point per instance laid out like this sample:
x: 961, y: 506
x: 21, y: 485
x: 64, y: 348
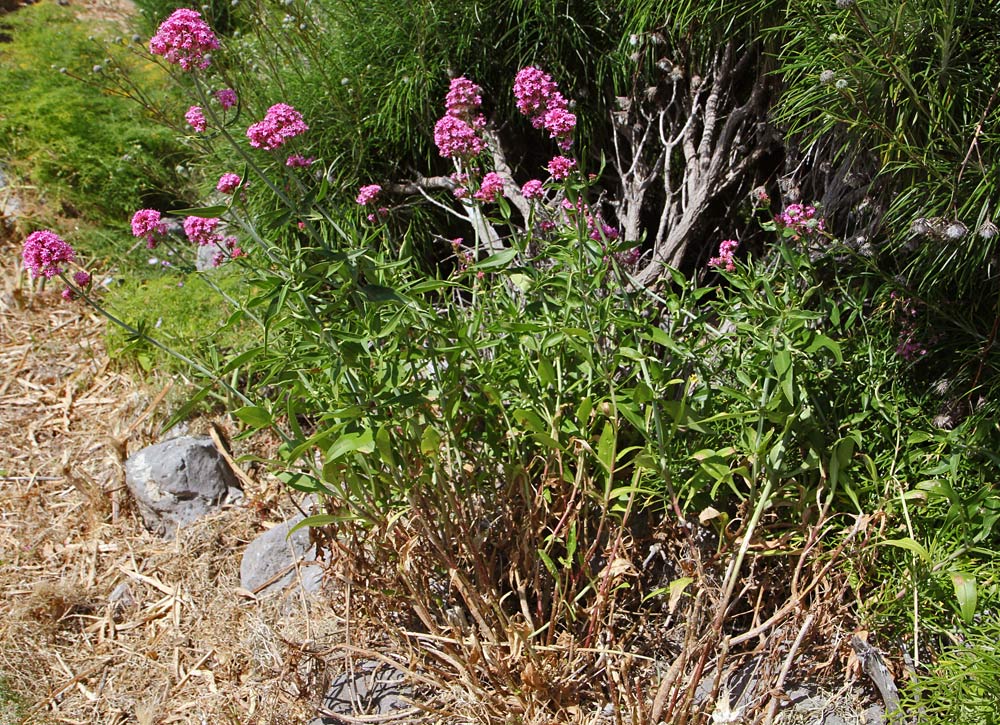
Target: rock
x: 274, y: 555
x: 371, y: 688
x: 121, y: 599
x: 177, y: 482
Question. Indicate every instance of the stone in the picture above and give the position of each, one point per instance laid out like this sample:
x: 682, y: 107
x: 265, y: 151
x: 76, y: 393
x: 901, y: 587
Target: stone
x: 370, y: 688
x: 121, y: 599
x: 177, y: 482
x: 274, y: 555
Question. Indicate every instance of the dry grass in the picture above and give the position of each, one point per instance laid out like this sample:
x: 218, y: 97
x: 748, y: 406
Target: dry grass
x: 188, y: 648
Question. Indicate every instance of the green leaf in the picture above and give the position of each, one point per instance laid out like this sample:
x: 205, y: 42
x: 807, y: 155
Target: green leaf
x: 430, y: 441
x: 910, y: 545
x: 546, y: 372
x: 966, y: 593
x: 549, y: 564
x: 378, y: 293
x: 606, y: 446
x: 384, y: 445
x: 202, y: 211
x: 363, y: 442
x: 495, y: 261
x: 254, y: 416
x: 317, y: 520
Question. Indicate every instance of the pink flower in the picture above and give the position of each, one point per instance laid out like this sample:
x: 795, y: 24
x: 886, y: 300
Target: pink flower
x: 147, y: 224
x: 379, y: 215
x: 68, y: 294
x: 800, y: 220
x: 560, y: 167
x: 532, y: 189
x: 536, y: 94
x: 606, y: 231
x: 43, y: 253
x: 226, y: 98
x: 201, y: 231
x: 560, y: 124
x: 299, y: 161
x: 455, y: 137
x: 196, y: 119
x: 81, y: 279
x: 457, y: 133
x: 184, y: 39
x: 491, y: 189
x: 463, y: 98
x: 367, y: 194
x: 725, y: 259
x: 228, y: 183
x: 281, y: 122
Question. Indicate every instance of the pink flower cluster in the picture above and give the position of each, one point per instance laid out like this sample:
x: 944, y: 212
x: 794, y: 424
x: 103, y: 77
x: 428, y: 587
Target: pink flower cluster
x: 367, y: 194
x: 457, y: 133
x: 800, y: 221
x: 463, y: 97
x: 196, y: 119
x: 228, y: 183
x: 597, y: 229
x: 226, y: 98
x: 184, y: 39
x: 299, y: 161
x: 491, y: 188
x: 228, y: 249
x: 147, y: 224
x: 44, y: 252
x: 532, y: 189
x: 725, y: 260
x: 281, y: 122
x: 81, y: 280
x: 560, y: 167
x: 201, y: 230
x: 539, y: 99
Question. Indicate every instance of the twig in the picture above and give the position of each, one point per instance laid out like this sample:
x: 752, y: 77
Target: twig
x: 779, y: 685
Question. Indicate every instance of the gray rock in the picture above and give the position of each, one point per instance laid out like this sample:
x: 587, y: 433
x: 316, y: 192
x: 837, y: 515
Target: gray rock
x: 269, y: 562
x: 371, y: 688
x: 121, y: 599
x: 177, y: 482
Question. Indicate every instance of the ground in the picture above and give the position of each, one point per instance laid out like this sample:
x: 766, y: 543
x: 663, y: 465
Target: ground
x: 190, y: 648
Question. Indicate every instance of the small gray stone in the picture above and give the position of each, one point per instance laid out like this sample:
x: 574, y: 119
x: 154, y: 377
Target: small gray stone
x: 177, y: 482
x: 370, y: 688
x: 274, y: 555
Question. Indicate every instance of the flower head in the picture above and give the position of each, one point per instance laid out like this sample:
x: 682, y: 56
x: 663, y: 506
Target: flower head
x: 184, y: 39
x: 532, y: 189
x: 226, y: 98
x: 81, y: 278
x: 560, y: 167
x: 800, y: 221
x: 536, y: 94
x: 367, y: 194
x: 201, y: 230
x: 456, y: 137
x: 196, y: 119
x: 228, y: 183
x: 299, y: 161
x: 491, y: 188
x: 463, y: 97
x: 147, y: 224
x: 725, y: 259
x: 43, y: 253
x: 281, y: 122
